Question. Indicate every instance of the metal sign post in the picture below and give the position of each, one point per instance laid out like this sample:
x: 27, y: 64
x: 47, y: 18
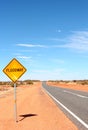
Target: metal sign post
x: 14, y: 70
x: 15, y: 103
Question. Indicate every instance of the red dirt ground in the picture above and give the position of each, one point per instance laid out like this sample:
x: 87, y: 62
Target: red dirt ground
x: 74, y: 86
x: 35, y: 111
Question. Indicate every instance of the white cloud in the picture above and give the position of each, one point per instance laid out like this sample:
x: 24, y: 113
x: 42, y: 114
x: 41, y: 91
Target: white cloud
x: 23, y: 57
x: 78, y: 40
x: 57, y: 39
x: 47, y: 74
x: 32, y: 45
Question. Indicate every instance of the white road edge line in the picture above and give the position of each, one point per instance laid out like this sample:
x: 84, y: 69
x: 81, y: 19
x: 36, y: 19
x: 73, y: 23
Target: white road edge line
x: 75, y: 94
x: 76, y: 117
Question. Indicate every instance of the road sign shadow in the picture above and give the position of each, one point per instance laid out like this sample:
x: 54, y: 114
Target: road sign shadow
x: 26, y: 116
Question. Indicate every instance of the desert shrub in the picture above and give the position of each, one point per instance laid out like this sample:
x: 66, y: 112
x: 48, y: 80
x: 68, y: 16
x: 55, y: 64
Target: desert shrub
x: 74, y: 81
x: 84, y: 82
x: 28, y: 81
x: 3, y: 83
x: 12, y: 84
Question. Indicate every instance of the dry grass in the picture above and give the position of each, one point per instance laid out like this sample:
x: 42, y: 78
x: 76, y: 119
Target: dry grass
x: 80, y: 82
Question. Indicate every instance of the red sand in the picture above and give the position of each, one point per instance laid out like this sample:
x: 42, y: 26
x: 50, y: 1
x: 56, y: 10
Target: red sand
x: 70, y: 85
x: 35, y: 111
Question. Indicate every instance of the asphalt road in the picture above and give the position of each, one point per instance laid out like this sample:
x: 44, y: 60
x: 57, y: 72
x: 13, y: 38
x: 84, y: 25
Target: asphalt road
x: 73, y: 103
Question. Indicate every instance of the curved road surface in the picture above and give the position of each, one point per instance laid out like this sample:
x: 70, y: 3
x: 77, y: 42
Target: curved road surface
x: 73, y: 103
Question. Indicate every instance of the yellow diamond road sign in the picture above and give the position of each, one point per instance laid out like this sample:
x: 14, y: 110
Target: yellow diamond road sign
x: 14, y: 70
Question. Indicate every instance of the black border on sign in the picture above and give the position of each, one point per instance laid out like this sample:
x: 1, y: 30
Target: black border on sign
x: 20, y: 64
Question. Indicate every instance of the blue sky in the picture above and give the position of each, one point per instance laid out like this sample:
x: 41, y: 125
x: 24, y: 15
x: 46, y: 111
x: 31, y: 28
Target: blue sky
x: 49, y: 37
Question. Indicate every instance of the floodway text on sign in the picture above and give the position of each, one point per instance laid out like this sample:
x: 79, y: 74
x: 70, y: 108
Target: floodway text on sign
x: 14, y: 70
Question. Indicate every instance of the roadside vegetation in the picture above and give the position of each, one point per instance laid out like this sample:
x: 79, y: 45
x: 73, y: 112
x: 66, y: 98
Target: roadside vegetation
x: 81, y: 82
x: 5, y: 85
